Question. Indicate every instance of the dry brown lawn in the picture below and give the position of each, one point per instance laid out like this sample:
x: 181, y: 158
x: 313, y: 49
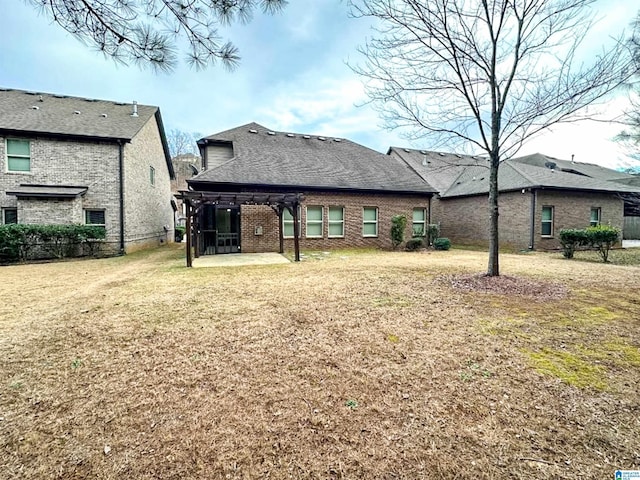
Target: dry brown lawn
x: 352, y: 365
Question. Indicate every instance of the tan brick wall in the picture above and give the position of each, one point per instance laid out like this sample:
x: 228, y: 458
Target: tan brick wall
x: 147, y: 207
x: 466, y: 220
x: 388, y: 206
x: 65, y: 162
x: 574, y: 211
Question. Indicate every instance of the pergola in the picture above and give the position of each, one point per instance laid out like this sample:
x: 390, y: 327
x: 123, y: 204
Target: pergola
x: 195, y: 200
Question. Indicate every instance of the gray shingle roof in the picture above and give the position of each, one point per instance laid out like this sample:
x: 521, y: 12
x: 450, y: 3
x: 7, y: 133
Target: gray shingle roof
x: 56, y: 114
x: 269, y: 158
x: 587, y: 169
x: 513, y: 175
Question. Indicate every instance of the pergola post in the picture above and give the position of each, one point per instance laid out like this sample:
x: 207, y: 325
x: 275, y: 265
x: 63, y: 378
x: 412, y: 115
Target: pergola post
x: 189, y: 259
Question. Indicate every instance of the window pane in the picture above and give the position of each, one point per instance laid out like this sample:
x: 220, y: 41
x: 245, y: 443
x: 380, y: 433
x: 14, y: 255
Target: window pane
x: 418, y: 215
x: 314, y: 230
x: 546, y: 228
x: 18, y: 147
x: 10, y: 215
x: 546, y: 213
x: 18, y: 164
x: 287, y: 231
x: 95, y: 217
x: 370, y: 214
x: 370, y: 229
x: 286, y: 215
x: 418, y: 230
x: 336, y: 213
x: 336, y: 230
x: 314, y: 213
x: 595, y: 215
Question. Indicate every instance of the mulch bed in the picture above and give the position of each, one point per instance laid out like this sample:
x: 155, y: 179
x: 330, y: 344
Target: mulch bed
x: 506, y: 285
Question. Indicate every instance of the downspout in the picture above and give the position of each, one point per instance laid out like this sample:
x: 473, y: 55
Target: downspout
x: 532, y: 226
x: 121, y: 173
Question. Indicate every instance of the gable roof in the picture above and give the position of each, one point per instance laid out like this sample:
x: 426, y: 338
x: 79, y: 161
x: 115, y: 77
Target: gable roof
x: 513, y: 176
x: 440, y: 169
x: 266, y: 157
x: 46, y: 114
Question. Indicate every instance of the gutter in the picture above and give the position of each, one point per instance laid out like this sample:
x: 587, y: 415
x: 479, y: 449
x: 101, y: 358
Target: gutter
x: 121, y: 193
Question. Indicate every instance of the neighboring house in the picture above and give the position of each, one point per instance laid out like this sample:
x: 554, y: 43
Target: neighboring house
x: 185, y: 166
x: 537, y: 198
x: 350, y: 193
x: 74, y: 160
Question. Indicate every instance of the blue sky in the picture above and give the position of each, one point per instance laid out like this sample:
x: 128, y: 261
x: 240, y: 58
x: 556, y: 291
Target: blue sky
x: 293, y: 77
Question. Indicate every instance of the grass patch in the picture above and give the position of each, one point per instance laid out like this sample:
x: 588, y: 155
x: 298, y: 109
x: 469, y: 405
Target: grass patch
x: 568, y: 367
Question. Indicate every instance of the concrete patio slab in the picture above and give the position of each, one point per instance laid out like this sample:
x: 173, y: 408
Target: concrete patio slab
x: 239, y: 259
x: 631, y: 244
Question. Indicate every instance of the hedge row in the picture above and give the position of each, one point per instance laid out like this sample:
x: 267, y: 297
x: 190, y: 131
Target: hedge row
x: 600, y: 238
x: 22, y: 242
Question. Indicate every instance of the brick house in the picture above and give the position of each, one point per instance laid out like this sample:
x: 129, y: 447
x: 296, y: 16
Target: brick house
x: 539, y: 196
x: 350, y: 192
x: 70, y: 160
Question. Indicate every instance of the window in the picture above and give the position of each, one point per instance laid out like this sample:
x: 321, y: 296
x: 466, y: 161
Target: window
x: 10, y: 215
x: 314, y: 222
x: 336, y: 222
x: 287, y: 223
x: 370, y: 222
x: 419, y: 222
x: 596, y: 213
x: 152, y: 175
x: 547, y: 222
x: 95, y: 217
x: 18, y: 155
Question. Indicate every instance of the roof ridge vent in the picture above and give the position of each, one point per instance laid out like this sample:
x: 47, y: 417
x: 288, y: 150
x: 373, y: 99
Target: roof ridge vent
x: 290, y: 135
x: 306, y: 136
x: 77, y: 112
x: 253, y: 130
x: 35, y: 107
x: 441, y: 154
x: 321, y: 138
x: 103, y: 115
x: 407, y: 150
x: 458, y: 155
x: 271, y: 133
x: 423, y: 152
x: 337, y: 140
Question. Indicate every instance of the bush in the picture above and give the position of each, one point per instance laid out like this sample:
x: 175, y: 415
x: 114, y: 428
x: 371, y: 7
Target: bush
x: 571, y: 239
x: 442, y: 244
x: 414, y: 244
x: 179, y: 233
x: 27, y: 242
x: 602, y: 238
x: 398, y: 225
x: 433, y: 232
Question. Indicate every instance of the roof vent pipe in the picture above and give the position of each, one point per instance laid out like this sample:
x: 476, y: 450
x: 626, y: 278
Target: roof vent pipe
x: 135, y: 109
x: 572, y: 161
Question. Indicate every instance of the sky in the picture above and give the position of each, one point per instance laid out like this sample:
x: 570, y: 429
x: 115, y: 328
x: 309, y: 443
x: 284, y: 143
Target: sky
x: 294, y: 76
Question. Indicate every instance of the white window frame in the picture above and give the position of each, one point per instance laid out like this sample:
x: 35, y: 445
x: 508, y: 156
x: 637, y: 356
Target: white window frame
x: 315, y: 222
x: 369, y: 222
x: 336, y: 222
x: 8, y: 156
x: 598, y: 210
x: 4, y: 215
x: 422, y: 223
x: 289, y: 221
x: 543, y: 221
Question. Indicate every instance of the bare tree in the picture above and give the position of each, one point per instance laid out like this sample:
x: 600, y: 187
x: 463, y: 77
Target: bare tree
x: 485, y: 73
x: 630, y: 137
x: 147, y: 32
x: 181, y: 142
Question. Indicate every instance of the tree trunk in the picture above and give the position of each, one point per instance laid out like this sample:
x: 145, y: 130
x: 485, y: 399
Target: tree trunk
x: 493, y: 269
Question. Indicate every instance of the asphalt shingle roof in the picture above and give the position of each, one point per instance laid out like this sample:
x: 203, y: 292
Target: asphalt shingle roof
x: 283, y: 159
x: 587, y: 169
x: 45, y: 113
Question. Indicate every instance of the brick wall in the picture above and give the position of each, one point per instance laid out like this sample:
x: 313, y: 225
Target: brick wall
x: 466, y: 220
x: 147, y: 207
x: 65, y: 162
x: 388, y: 206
